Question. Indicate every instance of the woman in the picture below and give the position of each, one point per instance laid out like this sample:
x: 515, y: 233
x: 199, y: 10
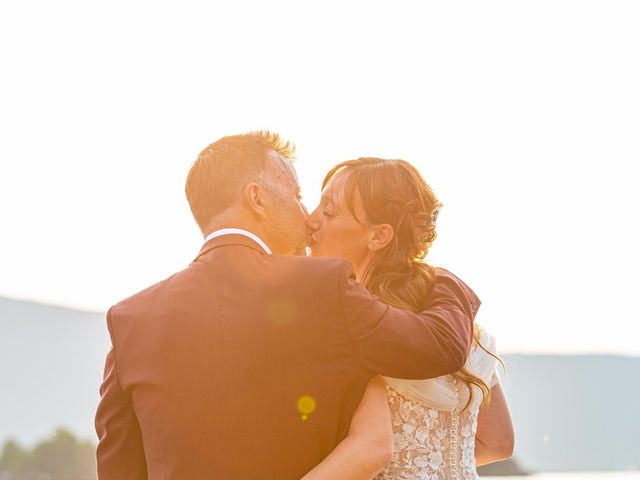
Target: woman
x: 380, y: 215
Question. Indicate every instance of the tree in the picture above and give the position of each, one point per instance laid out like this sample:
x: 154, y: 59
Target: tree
x: 62, y: 456
x: 12, y: 458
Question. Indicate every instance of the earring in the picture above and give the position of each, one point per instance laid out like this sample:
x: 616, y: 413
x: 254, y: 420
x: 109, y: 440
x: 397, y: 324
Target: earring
x: 370, y: 245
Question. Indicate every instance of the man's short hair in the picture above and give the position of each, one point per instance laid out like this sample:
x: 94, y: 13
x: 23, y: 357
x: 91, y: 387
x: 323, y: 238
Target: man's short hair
x: 222, y: 170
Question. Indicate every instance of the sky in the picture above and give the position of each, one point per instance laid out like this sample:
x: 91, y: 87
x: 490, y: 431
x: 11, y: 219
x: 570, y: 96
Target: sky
x: 524, y: 117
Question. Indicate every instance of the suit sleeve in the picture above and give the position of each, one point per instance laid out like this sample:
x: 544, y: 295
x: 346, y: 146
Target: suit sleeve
x: 402, y: 344
x: 120, y: 453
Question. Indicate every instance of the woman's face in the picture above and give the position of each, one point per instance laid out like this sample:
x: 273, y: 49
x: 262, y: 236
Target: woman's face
x: 335, y: 231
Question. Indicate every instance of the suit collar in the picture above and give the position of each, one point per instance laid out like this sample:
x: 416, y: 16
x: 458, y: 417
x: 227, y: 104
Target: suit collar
x: 233, y: 239
x: 239, y: 231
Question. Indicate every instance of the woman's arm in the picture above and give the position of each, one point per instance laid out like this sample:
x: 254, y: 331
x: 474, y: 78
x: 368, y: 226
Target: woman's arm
x: 368, y: 446
x: 494, y: 437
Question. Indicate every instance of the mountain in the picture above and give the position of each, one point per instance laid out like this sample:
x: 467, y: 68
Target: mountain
x: 51, y: 362
x: 570, y: 412
x: 575, y: 412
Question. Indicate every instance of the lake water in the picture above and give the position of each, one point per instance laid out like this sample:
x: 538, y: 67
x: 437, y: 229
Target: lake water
x: 575, y: 476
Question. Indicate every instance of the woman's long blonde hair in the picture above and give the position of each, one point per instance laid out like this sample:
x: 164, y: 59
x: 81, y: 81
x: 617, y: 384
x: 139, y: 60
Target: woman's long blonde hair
x: 393, y: 192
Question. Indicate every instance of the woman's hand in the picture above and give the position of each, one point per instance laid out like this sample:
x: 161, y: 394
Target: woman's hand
x: 368, y: 446
x: 495, y: 436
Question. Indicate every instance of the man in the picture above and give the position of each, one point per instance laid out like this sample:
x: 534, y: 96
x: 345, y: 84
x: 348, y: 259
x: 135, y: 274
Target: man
x: 250, y: 363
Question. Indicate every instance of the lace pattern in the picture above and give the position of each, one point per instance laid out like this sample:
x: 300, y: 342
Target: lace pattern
x: 427, y: 443
x: 434, y: 439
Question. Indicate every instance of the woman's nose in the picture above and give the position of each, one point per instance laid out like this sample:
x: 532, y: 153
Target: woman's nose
x: 312, y: 220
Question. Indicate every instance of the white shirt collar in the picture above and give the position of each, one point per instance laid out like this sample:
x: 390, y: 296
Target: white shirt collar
x: 238, y: 231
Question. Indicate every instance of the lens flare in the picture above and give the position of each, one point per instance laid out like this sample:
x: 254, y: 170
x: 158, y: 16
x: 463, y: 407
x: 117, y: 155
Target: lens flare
x: 306, y: 406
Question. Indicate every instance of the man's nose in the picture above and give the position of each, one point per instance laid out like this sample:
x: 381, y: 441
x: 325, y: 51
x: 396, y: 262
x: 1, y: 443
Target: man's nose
x: 305, y: 211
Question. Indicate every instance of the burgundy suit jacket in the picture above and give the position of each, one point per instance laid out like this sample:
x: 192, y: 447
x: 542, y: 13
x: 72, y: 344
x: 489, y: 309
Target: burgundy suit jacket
x: 207, y: 368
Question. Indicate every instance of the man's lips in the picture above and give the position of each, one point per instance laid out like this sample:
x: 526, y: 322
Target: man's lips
x: 313, y: 238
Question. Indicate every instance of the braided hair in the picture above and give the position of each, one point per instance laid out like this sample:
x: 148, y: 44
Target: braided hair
x: 393, y: 192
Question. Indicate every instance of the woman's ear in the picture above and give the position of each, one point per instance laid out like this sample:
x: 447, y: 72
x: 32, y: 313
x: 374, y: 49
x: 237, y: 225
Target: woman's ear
x: 254, y: 198
x: 381, y: 236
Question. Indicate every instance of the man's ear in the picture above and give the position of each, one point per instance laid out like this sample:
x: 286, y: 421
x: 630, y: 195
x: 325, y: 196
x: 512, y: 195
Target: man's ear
x: 254, y: 197
x: 380, y: 237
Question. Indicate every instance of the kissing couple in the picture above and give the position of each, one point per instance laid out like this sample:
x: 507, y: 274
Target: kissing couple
x: 359, y: 361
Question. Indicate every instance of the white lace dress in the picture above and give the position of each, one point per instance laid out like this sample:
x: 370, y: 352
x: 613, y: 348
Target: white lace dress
x: 434, y: 436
